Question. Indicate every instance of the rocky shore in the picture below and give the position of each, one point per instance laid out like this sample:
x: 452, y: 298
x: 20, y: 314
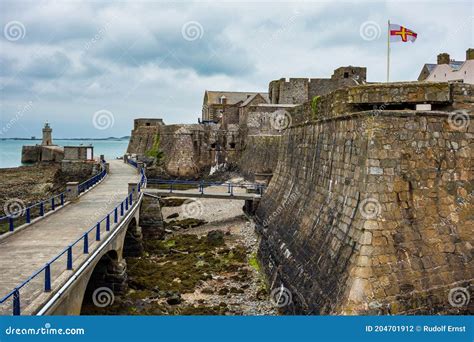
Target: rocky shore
x: 25, y: 185
x: 206, y: 265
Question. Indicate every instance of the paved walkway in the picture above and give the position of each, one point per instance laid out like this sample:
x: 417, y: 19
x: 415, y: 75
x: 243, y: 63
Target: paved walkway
x: 28, y: 250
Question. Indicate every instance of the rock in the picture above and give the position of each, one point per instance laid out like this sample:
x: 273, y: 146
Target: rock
x: 215, y: 237
x: 236, y: 290
x: 174, y: 299
x: 207, y: 290
x: 223, y: 291
x: 174, y: 215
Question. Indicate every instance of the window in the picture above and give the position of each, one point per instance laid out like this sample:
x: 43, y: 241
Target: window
x: 213, y: 145
x: 147, y: 124
x: 346, y: 74
x: 232, y: 145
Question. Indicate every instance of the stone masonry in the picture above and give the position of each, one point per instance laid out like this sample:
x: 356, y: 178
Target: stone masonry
x: 371, y: 212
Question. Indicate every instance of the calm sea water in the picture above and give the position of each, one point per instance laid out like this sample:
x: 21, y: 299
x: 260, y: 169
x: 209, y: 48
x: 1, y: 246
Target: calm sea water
x: 10, y: 150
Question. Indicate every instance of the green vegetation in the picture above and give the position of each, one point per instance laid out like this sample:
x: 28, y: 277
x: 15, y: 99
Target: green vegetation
x: 253, y: 261
x: 185, y: 223
x: 155, y: 152
x: 314, y: 106
x: 172, y: 201
x: 174, y: 266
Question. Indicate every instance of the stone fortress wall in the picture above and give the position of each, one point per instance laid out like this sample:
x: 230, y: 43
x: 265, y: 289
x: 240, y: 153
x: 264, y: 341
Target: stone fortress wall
x: 370, y: 211
x: 187, y: 149
x: 191, y: 149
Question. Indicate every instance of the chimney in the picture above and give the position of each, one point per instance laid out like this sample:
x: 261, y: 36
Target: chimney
x: 443, y: 58
x: 469, y: 54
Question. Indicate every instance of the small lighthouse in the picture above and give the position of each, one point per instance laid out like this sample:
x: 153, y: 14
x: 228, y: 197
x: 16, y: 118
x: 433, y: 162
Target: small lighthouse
x: 47, y: 135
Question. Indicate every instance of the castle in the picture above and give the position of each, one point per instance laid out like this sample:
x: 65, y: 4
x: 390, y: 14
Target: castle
x: 76, y: 160
x: 232, y: 122
x: 369, y: 207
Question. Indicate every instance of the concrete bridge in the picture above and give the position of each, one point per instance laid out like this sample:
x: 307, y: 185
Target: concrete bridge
x: 53, y: 263
x: 249, y: 192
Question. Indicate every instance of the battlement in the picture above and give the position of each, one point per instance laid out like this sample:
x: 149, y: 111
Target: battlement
x: 147, y: 122
x: 300, y: 90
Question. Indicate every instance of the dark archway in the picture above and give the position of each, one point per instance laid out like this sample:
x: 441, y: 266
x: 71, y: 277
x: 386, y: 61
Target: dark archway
x: 133, y: 243
x: 109, y: 278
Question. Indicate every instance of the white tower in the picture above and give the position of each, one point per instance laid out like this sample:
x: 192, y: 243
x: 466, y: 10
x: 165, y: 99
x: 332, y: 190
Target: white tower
x: 47, y: 135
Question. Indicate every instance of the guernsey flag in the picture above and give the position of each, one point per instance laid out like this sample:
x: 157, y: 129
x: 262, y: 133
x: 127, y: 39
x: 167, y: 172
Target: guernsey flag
x: 399, y: 33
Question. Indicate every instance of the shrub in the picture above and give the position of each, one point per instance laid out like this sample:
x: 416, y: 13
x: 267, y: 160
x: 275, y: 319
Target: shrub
x: 314, y: 106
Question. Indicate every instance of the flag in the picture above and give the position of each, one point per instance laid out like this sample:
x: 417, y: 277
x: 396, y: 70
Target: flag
x: 399, y: 33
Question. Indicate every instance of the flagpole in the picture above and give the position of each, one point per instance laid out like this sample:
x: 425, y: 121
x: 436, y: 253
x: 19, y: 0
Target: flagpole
x: 388, y: 52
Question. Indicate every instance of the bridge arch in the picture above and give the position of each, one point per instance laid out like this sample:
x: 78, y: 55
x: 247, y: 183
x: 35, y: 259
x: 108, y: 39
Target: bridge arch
x: 108, y: 276
x: 133, y: 242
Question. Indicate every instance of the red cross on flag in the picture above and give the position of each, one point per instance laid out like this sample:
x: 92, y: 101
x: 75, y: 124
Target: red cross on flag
x: 399, y: 33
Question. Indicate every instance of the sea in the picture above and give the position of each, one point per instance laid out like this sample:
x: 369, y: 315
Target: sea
x: 10, y: 150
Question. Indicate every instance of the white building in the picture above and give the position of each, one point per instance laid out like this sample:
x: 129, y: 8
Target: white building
x: 450, y: 70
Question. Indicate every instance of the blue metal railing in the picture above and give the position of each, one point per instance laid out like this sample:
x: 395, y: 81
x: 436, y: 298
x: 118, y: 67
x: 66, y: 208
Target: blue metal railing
x: 93, y: 180
x: 200, y: 185
x: 110, y: 221
x: 132, y: 162
x: 26, y: 215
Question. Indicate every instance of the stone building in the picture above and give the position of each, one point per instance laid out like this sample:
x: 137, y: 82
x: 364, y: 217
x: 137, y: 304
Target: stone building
x: 300, y: 90
x: 46, y: 152
x: 448, y: 69
x: 79, y: 160
x: 223, y: 106
x: 188, y: 149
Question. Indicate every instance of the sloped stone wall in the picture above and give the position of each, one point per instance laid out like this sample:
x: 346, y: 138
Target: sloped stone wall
x: 371, y: 215
x: 260, y: 154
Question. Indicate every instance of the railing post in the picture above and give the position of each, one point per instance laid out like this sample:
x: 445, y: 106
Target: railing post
x: 171, y: 187
x: 107, y: 223
x: 139, y: 167
x: 231, y: 190
x: 52, y: 204
x: 16, y: 302
x: 121, y: 208
x: 28, y: 215
x: 126, y: 203
x: 41, y: 209
x: 10, y: 223
x: 115, y: 215
x: 62, y: 198
x: 97, y: 232
x: 202, y: 187
x: 228, y: 188
x: 69, y: 258
x: 86, y: 243
x: 132, y: 190
x: 47, y: 278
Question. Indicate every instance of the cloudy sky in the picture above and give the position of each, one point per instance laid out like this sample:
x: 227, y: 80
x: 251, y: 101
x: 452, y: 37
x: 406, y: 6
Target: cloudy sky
x: 90, y: 68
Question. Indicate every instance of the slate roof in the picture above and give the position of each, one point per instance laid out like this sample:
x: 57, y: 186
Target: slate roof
x: 232, y: 97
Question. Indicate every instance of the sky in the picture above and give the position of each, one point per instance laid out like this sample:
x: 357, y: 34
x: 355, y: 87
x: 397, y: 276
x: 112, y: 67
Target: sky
x: 89, y: 68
